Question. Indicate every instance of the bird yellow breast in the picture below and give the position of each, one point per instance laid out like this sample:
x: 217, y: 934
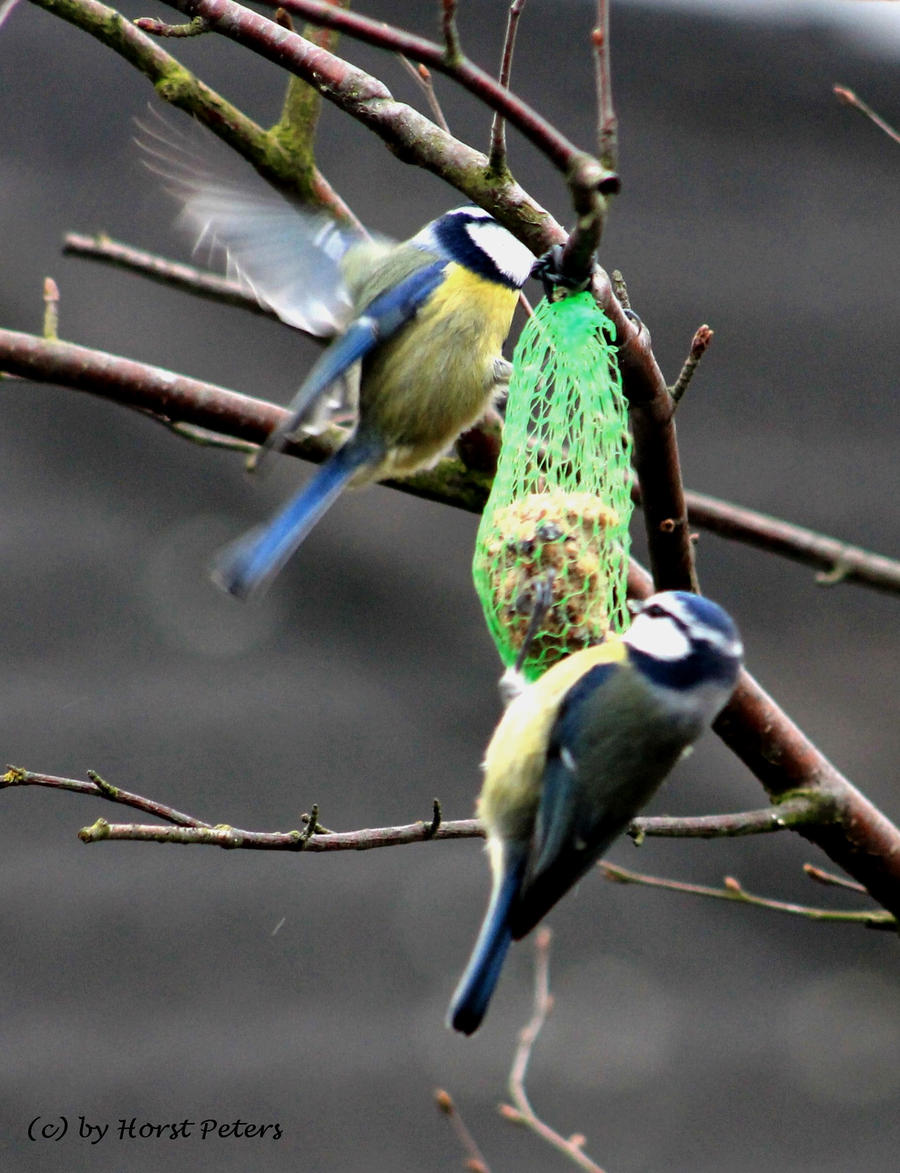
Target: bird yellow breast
x: 515, y: 758
x: 481, y: 307
x: 441, y: 365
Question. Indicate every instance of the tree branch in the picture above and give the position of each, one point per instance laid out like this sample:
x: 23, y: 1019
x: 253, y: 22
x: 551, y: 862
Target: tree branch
x: 179, y: 401
x: 229, y: 837
x: 231, y: 19
x: 416, y: 139
x: 407, y: 133
x: 651, y: 411
x: 421, y: 75
x: 520, y: 1110
x: 607, y: 123
x: 793, y: 812
x: 732, y: 890
x: 155, y: 390
x: 830, y: 880
x: 838, y: 561
x: 700, y: 343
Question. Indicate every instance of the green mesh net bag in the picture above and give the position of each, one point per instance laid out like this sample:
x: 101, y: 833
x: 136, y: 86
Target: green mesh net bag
x: 561, y: 498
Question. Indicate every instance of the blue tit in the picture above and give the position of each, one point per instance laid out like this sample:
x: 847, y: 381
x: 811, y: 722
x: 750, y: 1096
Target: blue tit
x: 423, y: 348
x: 418, y: 330
x: 578, y: 753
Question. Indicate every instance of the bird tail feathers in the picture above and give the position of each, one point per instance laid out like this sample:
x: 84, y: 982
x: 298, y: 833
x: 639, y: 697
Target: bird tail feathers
x: 476, y: 986
x: 249, y: 564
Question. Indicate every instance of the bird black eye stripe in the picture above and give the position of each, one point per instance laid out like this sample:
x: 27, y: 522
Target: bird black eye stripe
x: 658, y: 611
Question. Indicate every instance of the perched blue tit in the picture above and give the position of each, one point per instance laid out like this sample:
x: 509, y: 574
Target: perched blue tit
x: 418, y: 330
x: 578, y: 753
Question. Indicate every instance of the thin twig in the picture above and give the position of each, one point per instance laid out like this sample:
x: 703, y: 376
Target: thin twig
x: 849, y: 98
x: 699, y: 345
x: 830, y: 880
x: 187, y: 829
x: 174, y: 274
x: 497, y: 156
x: 593, y: 181
x: 51, y: 310
x: 732, y: 890
x: 421, y: 74
x: 98, y: 788
x: 204, y: 438
x: 452, y: 48
x: 475, y: 1162
x: 607, y: 123
x: 158, y: 28
x: 838, y: 562
x: 521, y: 1111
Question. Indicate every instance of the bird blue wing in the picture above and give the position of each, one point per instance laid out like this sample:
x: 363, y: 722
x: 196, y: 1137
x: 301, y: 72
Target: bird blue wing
x: 566, y: 840
x: 380, y: 319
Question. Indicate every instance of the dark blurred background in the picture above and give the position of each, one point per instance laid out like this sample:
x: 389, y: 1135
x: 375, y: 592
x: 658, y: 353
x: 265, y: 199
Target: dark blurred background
x: 162, y: 983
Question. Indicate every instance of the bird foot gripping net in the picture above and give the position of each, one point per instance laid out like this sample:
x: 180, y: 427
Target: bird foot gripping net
x: 561, y: 500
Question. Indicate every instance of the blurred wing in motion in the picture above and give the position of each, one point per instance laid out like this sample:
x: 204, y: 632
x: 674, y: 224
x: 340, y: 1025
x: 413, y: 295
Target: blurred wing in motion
x: 383, y: 317
x: 287, y: 255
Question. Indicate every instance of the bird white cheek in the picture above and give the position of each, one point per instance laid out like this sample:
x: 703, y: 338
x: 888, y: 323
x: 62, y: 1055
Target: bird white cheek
x: 658, y: 637
x: 509, y: 254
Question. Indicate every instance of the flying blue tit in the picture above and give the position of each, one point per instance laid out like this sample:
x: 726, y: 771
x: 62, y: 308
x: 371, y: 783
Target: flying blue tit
x: 578, y: 753
x: 418, y: 331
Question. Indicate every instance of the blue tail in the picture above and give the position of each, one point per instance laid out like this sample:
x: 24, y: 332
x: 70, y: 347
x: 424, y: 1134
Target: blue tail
x: 247, y: 565
x: 476, y: 986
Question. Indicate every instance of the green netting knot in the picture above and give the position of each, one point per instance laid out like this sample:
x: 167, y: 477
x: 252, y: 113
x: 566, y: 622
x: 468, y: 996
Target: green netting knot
x: 561, y: 498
